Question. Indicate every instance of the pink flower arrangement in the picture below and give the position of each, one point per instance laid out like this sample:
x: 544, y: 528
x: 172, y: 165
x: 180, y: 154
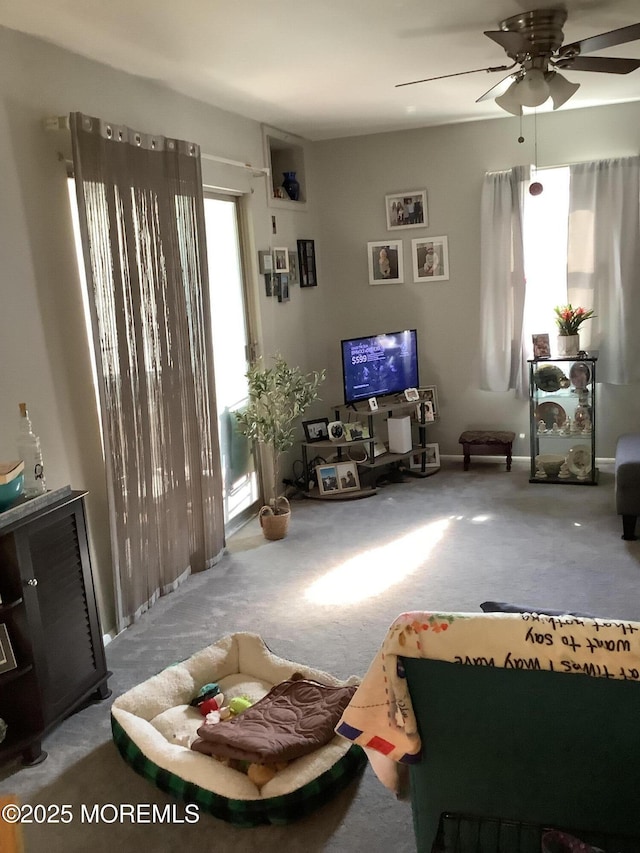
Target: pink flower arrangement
x: 569, y: 319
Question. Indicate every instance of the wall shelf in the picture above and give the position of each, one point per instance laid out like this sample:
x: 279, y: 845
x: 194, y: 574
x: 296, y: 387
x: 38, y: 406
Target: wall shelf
x: 284, y: 152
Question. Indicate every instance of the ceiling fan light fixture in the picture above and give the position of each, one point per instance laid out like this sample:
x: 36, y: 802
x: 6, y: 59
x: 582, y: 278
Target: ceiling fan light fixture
x: 560, y: 88
x: 509, y: 101
x: 533, y: 89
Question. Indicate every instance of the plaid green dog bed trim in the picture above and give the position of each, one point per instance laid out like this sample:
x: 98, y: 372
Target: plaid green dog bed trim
x: 245, y: 813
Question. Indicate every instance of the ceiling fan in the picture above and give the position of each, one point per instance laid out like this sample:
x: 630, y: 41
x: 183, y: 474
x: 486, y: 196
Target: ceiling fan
x: 534, y: 41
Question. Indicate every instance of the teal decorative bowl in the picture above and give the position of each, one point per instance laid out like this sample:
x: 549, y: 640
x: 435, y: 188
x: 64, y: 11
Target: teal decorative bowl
x: 11, y: 491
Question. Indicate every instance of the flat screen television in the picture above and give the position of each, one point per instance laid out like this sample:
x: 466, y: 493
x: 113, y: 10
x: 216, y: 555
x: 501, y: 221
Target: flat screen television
x: 379, y: 365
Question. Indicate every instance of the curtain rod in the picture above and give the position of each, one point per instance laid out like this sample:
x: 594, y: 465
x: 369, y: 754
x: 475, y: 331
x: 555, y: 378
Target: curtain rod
x: 62, y: 123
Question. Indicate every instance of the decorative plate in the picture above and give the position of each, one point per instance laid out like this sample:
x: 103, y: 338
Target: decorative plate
x: 548, y: 378
x: 579, y: 460
x: 550, y: 413
x: 580, y: 375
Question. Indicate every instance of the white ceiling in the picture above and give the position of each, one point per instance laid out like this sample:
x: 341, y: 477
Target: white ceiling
x: 322, y: 68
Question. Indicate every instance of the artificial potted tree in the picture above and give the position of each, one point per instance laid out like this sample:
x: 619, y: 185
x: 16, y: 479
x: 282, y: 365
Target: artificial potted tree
x: 278, y: 396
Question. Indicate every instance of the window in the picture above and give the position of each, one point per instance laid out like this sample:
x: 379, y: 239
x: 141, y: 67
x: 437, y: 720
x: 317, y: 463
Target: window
x: 545, y: 237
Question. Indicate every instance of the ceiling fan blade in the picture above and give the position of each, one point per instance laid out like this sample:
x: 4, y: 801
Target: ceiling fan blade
x: 605, y: 64
x: 513, y: 43
x: 610, y: 39
x: 456, y: 74
x: 499, y: 89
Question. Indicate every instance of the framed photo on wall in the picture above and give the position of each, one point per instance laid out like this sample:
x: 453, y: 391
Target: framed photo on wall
x: 294, y: 278
x: 307, y: 263
x: 281, y: 260
x: 430, y: 256
x: 385, y: 262
x: 406, y: 210
x: 265, y: 260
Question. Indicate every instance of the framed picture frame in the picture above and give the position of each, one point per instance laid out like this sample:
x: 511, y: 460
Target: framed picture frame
x: 541, y: 346
x: 271, y: 284
x: 348, y: 480
x: 433, y: 455
x: 265, y: 261
x: 372, y: 402
x: 307, y: 263
x: 406, y: 210
x: 430, y: 258
x: 427, y: 406
x: 283, y: 287
x: 316, y: 430
x: 294, y: 277
x: 355, y: 431
x: 327, y: 479
x: 336, y: 431
x: 411, y: 395
x: 415, y: 460
x: 7, y: 657
x: 385, y: 262
x: 281, y: 260
x: 430, y: 395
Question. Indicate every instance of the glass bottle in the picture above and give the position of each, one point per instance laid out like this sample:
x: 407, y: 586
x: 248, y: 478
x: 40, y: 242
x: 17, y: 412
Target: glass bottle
x: 31, y: 454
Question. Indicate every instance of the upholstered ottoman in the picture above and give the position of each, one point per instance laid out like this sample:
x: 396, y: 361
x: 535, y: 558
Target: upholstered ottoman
x: 154, y: 727
x: 486, y: 442
x: 628, y: 483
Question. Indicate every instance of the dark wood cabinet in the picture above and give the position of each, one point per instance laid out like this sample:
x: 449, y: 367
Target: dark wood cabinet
x: 50, y: 613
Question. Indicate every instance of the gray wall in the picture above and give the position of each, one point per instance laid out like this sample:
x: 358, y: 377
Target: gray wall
x: 354, y: 175
x: 44, y: 356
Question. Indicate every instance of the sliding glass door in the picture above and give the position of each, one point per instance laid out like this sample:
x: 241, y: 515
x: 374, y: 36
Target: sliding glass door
x: 231, y: 351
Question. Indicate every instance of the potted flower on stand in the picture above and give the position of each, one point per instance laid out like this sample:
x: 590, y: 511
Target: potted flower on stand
x: 568, y: 321
x: 278, y: 396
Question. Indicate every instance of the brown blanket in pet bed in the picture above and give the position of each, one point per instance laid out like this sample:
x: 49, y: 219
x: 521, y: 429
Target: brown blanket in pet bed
x: 293, y: 719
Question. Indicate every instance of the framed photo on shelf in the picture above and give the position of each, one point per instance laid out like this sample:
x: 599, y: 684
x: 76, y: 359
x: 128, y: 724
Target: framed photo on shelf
x: 433, y: 455
x: 307, y: 263
x: 265, y: 260
x: 406, y: 210
x: 281, y: 260
x: 355, y: 430
x: 415, y: 460
x: 411, y: 395
x: 430, y: 395
x: 7, y: 657
x: 348, y: 479
x: 428, y: 412
x: 317, y: 430
x: 541, y: 347
x: 430, y: 256
x: 327, y: 477
x: 385, y: 262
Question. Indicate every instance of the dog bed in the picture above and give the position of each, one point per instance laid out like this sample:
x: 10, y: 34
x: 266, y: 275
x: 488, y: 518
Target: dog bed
x: 154, y: 726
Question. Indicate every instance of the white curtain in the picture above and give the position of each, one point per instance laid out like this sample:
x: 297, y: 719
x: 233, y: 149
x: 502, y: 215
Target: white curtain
x: 603, y: 262
x: 503, y: 362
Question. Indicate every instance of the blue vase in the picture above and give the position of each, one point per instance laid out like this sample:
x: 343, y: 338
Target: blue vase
x: 291, y: 185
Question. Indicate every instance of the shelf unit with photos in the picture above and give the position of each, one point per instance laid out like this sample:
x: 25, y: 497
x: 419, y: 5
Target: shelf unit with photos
x: 562, y: 420
x: 369, y: 453
x: 49, y: 613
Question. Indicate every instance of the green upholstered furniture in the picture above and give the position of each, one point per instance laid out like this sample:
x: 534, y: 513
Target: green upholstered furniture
x: 545, y: 748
